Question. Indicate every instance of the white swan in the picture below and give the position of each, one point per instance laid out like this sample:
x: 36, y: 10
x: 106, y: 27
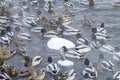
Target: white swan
x: 117, y: 76
x: 107, y: 65
x: 90, y: 72
x: 83, y: 49
x: 52, y: 68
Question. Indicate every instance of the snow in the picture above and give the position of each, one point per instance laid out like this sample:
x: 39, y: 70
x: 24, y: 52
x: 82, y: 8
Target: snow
x: 65, y: 63
x: 57, y: 43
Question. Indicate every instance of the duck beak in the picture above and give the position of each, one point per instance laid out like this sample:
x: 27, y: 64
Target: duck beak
x: 4, y: 65
x: 23, y: 61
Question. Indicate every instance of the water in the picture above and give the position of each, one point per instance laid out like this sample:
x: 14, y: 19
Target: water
x: 103, y: 11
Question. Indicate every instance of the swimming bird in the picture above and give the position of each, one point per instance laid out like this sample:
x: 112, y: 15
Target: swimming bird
x: 38, y: 76
x: 4, y: 76
x: 32, y: 60
x: 107, y: 65
x: 89, y: 73
x: 24, y: 36
x: 83, y: 49
x: 70, y: 74
x: 116, y: 4
x: 51, y: 34
x: 117, y: 76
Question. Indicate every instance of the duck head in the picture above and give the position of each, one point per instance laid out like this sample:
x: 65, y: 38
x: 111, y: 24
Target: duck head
x: 94, y: 30
x: 27, y: 59
x: 2, y: 63
x: 102, y: 25
x: 49, y: 59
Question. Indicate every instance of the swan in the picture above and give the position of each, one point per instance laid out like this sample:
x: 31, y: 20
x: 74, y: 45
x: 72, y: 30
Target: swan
x: 83, y: 49
x: 89, y: 73
x: 117, y: 76
x: 107, y: 65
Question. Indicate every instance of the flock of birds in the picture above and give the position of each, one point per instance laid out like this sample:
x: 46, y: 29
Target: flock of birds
x: 12, y: 31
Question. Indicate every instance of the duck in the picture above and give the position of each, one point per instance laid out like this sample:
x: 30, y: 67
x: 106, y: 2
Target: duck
x: 5, y: 40
x: 69, y: 4
x: 39, y: 76
x: 12, y: 71
x: 32, y: 60
x: 102, y: 29
x: 107, y: 65
x: 7, y: 54
x: 51, y: 34
x: 99, y: 35
x: 49, y: 0
x: 86, y: 22
x: 22, y: 51
x: 107, y: 48
x: 36, y: 29
x: 2, y: 64
x: 89, y: 73
x: 52, y: 67
x: 81, y: 40
x: 71, y: 32
x: 25, y: 73
x: 49, y: 6
x: 83, y: 49
x: 24, y: 36
x: 74, y: 54
x: 84, y: 2
x: 116, y: 56
x: 5, y: 76
x: 116, y: 4
x: 88, y: 2
x: 116, y: 76
x: 70, y: 74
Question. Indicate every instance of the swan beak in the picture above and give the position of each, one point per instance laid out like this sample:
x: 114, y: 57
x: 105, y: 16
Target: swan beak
x: 23, y: 61
x: 4, y: 65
